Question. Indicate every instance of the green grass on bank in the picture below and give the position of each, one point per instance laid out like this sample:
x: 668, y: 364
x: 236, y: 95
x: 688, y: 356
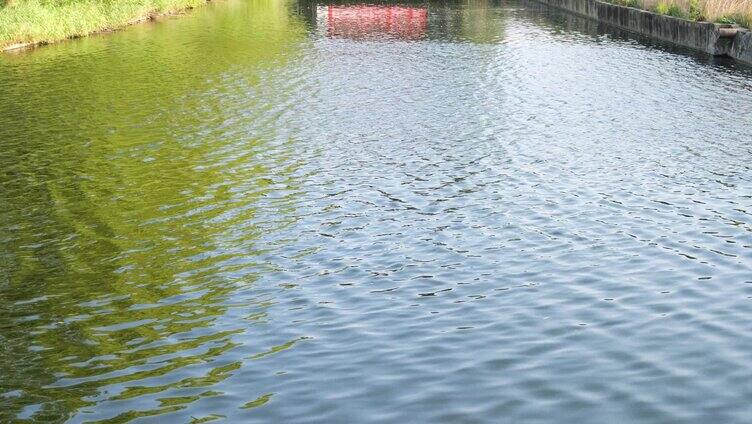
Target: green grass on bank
x: 34, y: 21
x: 719, y: 11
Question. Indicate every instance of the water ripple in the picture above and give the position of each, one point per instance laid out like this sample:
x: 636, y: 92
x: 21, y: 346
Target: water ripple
x: 307, y: 212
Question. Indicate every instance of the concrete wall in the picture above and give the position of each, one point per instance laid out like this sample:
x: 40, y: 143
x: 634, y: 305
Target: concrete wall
x: 587, y: 8
x: 704, y: 36
x: 741, y: 49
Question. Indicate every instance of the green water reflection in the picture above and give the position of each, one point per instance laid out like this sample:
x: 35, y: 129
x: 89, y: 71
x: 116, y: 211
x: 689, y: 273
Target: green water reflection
x: 274, y: 211
x: 124, y: 176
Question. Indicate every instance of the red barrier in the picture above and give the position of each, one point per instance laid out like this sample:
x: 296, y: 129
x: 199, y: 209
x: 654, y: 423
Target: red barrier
x: 368, y: 21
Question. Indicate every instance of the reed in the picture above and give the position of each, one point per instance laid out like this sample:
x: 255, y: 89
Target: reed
x: 728, y: 11
x: 720, y: 11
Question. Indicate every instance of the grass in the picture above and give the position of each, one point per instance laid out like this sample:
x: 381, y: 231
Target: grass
x: 720, y: 11
x: 46, y: 21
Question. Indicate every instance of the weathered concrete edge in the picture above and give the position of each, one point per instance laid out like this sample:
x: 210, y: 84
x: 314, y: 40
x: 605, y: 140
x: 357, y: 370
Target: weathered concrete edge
x: 741, y: 48
x: 715, y: 39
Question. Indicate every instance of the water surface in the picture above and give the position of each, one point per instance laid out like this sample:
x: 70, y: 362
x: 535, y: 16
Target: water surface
x: 409, y: 212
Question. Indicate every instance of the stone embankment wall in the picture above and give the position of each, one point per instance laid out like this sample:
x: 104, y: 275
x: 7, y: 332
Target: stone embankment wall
x: 741, y: 48
x: 715, y: 39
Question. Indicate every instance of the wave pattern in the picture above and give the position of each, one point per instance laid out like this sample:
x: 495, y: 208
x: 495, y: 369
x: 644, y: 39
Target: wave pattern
x: 510, y: 216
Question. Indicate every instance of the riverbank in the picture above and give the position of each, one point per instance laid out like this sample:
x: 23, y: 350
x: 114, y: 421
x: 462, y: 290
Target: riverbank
x: 26, y: 23
x: 712, y: 38
x: 737, y: 12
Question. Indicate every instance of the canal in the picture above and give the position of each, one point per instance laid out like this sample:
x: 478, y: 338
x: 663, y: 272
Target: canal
x: 293, y: 212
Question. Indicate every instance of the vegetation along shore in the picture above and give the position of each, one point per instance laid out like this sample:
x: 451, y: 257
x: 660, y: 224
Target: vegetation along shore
x: 30, y: 22
x: 718, y: 11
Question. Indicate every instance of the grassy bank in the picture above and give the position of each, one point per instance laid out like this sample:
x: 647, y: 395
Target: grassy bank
x: 720, y: 11
x: 46, y: 21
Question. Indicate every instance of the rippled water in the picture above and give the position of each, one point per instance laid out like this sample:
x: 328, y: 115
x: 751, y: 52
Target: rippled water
x: 417, y: 212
